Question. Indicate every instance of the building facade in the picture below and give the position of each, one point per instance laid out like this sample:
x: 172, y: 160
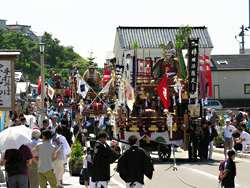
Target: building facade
x: 231, y: 79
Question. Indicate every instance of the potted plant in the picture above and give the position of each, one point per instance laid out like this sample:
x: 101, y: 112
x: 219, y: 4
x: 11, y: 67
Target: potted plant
x: 218, y: 141
x: 76, y: 159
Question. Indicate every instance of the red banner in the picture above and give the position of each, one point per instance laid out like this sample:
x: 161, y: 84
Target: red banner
x: 163, y: 92
x: 106, y: 75
x: 209, y: 76
x: 39, y: 85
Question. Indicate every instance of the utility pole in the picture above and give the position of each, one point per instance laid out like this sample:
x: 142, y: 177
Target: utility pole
x: 243, y: 40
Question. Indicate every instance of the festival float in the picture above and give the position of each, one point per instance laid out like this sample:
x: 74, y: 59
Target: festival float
x: 161, y: 103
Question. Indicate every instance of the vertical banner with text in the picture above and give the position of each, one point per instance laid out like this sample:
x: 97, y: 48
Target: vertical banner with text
x: 193, y: 51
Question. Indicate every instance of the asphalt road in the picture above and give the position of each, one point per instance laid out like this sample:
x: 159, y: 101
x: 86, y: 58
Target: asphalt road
x: 198, y: 174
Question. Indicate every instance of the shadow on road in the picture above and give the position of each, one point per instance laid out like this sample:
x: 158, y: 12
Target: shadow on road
x: 180, y: 161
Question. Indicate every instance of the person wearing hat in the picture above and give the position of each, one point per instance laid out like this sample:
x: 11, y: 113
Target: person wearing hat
x: 227, y: 131
x: 229, y: 171
x: 33, y: 175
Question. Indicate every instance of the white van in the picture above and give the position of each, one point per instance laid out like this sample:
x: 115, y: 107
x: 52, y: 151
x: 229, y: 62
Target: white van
x: 213, y: 104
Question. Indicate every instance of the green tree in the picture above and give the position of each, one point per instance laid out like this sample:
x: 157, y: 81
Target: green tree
x: 181, y: 37
x: 58, y: 58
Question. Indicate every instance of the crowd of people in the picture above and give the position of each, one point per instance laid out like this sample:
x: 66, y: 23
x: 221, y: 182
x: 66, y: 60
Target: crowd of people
x: 44, y: 160
x: 235, y: 134
x: 45, y: 157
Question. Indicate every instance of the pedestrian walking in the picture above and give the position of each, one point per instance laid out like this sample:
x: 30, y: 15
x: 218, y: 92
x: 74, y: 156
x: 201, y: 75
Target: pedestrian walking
x: 64, y: 150
x: 134, y: 164
x: 103, y: 157
x: 33, y: 175
x: 13, y: 158
x: 229, y: 171
x: 47, y: 154
x: 227, y: 131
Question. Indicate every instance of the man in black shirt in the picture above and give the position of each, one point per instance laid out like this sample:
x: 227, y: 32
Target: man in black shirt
x: 134, y: 164
x: 192, y: 144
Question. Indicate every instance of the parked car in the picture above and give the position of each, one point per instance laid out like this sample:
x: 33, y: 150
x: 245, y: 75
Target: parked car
x: 213, y: 104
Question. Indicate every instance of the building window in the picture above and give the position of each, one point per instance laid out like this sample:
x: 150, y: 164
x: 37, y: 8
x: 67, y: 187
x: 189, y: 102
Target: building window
x: 216, y: 91
x: 247, y: 88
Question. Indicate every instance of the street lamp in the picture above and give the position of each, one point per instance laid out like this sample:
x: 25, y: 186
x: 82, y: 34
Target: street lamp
x: 42, y: 111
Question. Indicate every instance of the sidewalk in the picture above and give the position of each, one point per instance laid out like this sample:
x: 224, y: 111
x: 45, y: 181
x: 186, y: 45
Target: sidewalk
x: 239, y: 154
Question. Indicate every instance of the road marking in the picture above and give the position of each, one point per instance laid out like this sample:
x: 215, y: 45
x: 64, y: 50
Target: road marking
x: 117, y: 182
x: 206, y: 174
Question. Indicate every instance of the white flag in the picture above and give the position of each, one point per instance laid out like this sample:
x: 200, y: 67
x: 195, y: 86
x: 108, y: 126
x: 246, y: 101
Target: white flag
x: 51, y: 92
x: 130, y: 97
x: 83, y: 88
x: 106, y: 87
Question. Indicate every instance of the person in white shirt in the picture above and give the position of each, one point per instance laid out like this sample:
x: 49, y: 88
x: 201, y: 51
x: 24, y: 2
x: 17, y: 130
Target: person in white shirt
x: 209, y: 113
x: 33, y: 121
x: 23, y: 122
x: 244, y: 139
x: 64, y: 150
x: 54, y: 124
x: 227, y: 131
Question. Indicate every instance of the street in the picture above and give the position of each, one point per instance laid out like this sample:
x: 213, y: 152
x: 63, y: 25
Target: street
x: 199, y: 174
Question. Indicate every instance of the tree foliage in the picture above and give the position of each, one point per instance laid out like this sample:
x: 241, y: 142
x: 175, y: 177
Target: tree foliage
x: 181, y: 37
x: 58, y: 58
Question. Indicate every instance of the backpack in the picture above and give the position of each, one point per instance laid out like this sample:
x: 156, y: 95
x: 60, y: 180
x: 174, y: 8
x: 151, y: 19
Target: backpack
x: 15, y: 165
x: 221, y: 168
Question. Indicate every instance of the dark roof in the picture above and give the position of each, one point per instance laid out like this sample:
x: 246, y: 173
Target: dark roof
x: 230, y: 62
x: 152, y: 37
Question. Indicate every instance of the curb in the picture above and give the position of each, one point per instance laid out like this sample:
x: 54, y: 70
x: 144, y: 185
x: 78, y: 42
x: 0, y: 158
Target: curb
x: 240, y: 155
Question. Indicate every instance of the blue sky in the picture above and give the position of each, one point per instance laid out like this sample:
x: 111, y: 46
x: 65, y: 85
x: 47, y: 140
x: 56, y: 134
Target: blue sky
x: 91, y: 24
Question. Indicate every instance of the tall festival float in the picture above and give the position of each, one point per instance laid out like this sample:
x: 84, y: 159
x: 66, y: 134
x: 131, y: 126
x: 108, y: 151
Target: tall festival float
x: 157, y: 101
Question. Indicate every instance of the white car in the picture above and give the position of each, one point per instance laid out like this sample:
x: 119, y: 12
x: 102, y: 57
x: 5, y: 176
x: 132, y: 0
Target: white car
x: 213, y: 104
